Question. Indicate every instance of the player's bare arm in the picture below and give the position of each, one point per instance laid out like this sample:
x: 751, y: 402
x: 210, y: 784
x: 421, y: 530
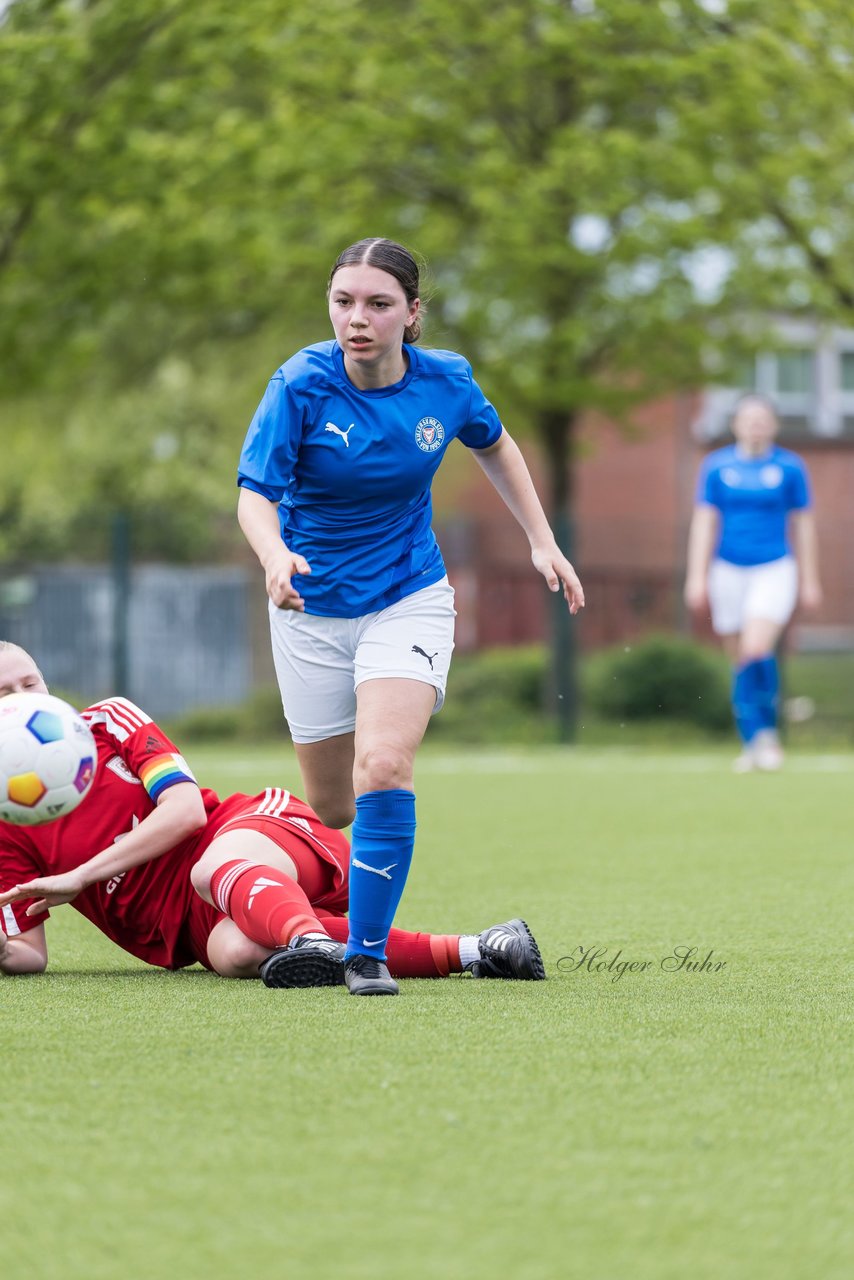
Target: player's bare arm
x: 701, y: 541
x: 259, y: 520
x: 180, y: 812
x: 806, y: 554
x: 26, y: 953
x: 507, y: 471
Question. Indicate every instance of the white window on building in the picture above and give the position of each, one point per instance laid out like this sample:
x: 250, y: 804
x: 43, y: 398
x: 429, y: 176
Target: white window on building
x: 809, y: 377
x: 846, y: 385
x: 795, y: 372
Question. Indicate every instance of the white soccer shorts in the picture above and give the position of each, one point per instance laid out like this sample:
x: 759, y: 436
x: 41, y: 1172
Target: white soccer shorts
x: 320, y: 662
x: 739, y: 592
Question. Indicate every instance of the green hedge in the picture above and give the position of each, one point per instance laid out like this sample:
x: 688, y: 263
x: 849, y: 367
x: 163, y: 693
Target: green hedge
x: 662, y: 689
x: 259, y: 719
x: 501, y: 695
x: 661, y: 677
x: 496, y: 696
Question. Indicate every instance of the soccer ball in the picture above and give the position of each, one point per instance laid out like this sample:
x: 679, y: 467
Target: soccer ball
x: 47, y: 758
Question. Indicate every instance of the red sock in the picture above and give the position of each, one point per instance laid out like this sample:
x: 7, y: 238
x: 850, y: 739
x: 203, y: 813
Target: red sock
x: 265, y: 904
x: 410, y: 955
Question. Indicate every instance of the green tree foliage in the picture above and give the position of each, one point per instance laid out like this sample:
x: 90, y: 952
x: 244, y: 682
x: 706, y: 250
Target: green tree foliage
x: 159, y: 454
x: 612, y: 194
x: 175, y: 172
x: 140, y: 188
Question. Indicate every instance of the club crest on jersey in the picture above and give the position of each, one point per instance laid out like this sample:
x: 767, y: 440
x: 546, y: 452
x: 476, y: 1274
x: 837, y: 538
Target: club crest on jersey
x: 118, y: 766
x: 771, y: 475
x: 429, y: 434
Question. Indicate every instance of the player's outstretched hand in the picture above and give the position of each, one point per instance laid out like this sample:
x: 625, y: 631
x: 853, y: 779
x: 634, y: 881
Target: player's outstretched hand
x: 49, y: 891
x: 558, y: 572
x: 280, y: 571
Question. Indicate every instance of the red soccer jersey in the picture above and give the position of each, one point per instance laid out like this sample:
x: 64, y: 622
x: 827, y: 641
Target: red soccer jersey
x: 146, y: 909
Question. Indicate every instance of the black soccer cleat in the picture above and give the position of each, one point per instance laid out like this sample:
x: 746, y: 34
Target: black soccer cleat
x: 367, y: 976
x: 509, y: 951
x: 307, y: 962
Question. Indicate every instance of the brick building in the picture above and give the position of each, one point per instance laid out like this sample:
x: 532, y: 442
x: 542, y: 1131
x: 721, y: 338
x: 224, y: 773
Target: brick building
x: 634, y: 494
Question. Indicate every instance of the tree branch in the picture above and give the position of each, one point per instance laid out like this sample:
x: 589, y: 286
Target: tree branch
x: 19, y: 225
x: 821, y: 263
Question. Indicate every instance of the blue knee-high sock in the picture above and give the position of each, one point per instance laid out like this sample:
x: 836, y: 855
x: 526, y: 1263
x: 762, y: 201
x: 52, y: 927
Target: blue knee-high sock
x: 745, y: 700
x: 768, y: 691
x: 380, y: 856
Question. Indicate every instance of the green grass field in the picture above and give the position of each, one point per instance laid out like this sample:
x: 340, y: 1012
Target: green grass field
x: 650, y: 1126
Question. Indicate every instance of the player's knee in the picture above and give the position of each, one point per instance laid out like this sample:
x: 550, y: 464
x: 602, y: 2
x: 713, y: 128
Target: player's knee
x: 239, y: 957
x: 752, y: 652
x: 333, y: 811
x: 200, y: 879
x: 332, y: 800
x: 382, y: 768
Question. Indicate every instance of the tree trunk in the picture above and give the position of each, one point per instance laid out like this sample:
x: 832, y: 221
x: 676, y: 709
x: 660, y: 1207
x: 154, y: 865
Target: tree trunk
x: 556, y: 432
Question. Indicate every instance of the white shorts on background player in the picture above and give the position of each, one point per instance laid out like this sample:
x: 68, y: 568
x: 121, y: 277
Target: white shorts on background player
x: 740, y: 592
x: 320, y: 662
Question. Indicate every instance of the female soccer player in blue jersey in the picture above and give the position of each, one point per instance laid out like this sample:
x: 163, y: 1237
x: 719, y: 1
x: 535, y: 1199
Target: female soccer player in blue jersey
x: 742, y: 564
x: 335, y: 479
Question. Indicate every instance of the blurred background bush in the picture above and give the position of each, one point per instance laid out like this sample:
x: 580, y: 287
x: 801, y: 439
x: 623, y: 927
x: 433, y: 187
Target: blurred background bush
x: 662, y: 690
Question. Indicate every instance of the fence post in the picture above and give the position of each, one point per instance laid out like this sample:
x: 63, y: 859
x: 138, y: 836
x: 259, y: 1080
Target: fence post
x: 564, y: 646
x: 120, y: 571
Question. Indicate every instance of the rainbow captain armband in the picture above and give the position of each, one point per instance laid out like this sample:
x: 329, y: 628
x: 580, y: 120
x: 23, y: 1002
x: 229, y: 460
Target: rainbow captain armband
x: 164, y: 771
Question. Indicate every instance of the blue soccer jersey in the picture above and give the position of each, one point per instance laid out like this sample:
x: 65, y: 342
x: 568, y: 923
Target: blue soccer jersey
x: 352, y: 470
x: 754, y: 497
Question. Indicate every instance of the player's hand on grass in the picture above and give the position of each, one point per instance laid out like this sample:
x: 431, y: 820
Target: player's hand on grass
x: 48, y: 891
x: 282, y: 566
x: 558, y: 572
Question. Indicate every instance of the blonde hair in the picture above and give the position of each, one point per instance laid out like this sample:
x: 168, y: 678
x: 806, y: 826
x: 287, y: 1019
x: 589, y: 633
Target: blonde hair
x: 5, y: 645
x: 9, y: 646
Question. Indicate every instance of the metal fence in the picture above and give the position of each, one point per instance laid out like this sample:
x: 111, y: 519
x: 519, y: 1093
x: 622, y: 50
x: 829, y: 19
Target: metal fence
x: 170, y: 638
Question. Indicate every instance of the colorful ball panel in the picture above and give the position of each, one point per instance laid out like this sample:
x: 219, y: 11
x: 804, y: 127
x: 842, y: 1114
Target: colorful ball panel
x: 48, y: 758
x: 46, y: 726
x: 26, y: 789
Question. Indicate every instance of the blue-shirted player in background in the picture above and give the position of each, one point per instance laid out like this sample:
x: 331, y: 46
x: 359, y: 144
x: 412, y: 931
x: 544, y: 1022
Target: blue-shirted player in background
x: 752, y: 556
x: 335, y: 480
